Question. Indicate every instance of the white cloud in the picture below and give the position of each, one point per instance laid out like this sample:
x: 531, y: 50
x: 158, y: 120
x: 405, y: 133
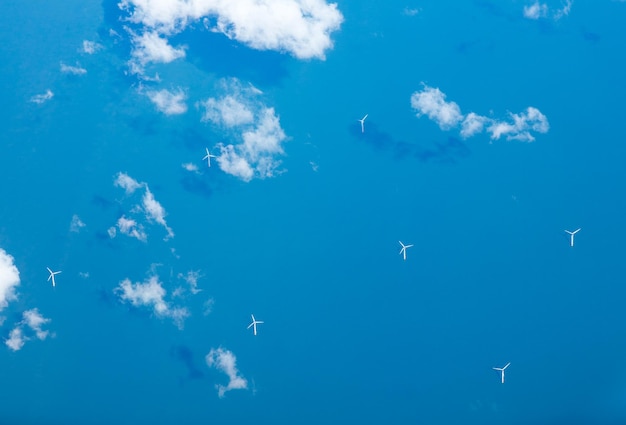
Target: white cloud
x: 151, y: 208
x: 150, y: 47
x: 564, y: 11
x: 431, y: 102
x: 31, y: 319
x: 155, y: 211
x: 16, y: 339
x: 207, y: 307
x: 42, y: 98
x: 541, y: 10
x: 225, y: 361
x: 190, y: 167
x: 519, y: 129
x: 169, y: 102
x: 127, y: 183
x: 536, y: 10
x: 9, y: 279
x: 410, y: 12
x: 90, y: 47
x: 34, y: 320
x: 76, y: 224
x: 300, y: 27
x: 151, y: 294
x: 256, y: 125
x: 129, y: 227
x: 74, y: 70
x: 229, y: 111
x: 192, y: 280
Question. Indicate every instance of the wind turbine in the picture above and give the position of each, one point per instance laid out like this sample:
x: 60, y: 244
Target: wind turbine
x: 362, y: 121
x: 571, y: 234
x: 254, y: 323
x: 501, y: 369
x: 208, y: 156
x: 404, y: 247
x: 52, y: 276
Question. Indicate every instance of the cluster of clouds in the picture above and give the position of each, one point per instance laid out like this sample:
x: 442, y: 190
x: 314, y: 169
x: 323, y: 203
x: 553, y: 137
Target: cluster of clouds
x: 151, y: 294
x: 149, y: 207
x: 539, y: 10
x: 245, y: 117
x: 301, y: 28
x: 32, y: 320
x: 225, y: 361
x: 447, y: 114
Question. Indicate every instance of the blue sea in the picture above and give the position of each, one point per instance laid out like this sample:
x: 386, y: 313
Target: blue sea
x: 298, y: 219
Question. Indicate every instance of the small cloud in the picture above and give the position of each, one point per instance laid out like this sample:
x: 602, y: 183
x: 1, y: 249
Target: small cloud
x: 541, y: 10
x: 42, y: 98
x: 190, y: 167
x: 155, y: 211
x: 151, y: 294
x: 84, y: 275
x: 432, y: 103
x: 34, y: 320
x: 536, y: 10
x: 90, y: 47
x: 76, y: 224
x: 152, y: 209
x: 192, y: 280
x: 207, y: 307
x: 151, y: 47
x: 129, y: 227
x: 169, y: 102
x: 410, y: 11
x: 225, y: 361
x: 16, y: 339
x: 126, y: 182
x: 9, y: 279
x: 73, y: 70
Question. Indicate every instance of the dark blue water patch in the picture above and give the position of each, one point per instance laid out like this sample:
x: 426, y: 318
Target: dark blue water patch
x: 215, y: 53
x: 184, y: 355
x: 447, y: 150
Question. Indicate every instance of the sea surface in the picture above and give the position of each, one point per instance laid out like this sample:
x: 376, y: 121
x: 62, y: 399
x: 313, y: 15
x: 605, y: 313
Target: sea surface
x: 352, y: 333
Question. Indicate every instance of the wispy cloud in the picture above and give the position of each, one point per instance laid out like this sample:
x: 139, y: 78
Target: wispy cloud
x: 9, y: 279
x: 225, y: 361
x: 539, y: 10
x: 153, y: 211
x: 76, y: 224
x: 302, y: 28
x: 447, y: 114
x: 256, y: 126
x: 191, y: 277
x: 169, y: 102
x: 151, y: 294
x: 42, y: 98
x: 73, y: 70
x: 90, y: 47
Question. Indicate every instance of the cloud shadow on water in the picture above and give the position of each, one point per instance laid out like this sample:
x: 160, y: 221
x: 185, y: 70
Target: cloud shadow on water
x: 449, y: 150
x: 184, y: 355
x: 215, y: 53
